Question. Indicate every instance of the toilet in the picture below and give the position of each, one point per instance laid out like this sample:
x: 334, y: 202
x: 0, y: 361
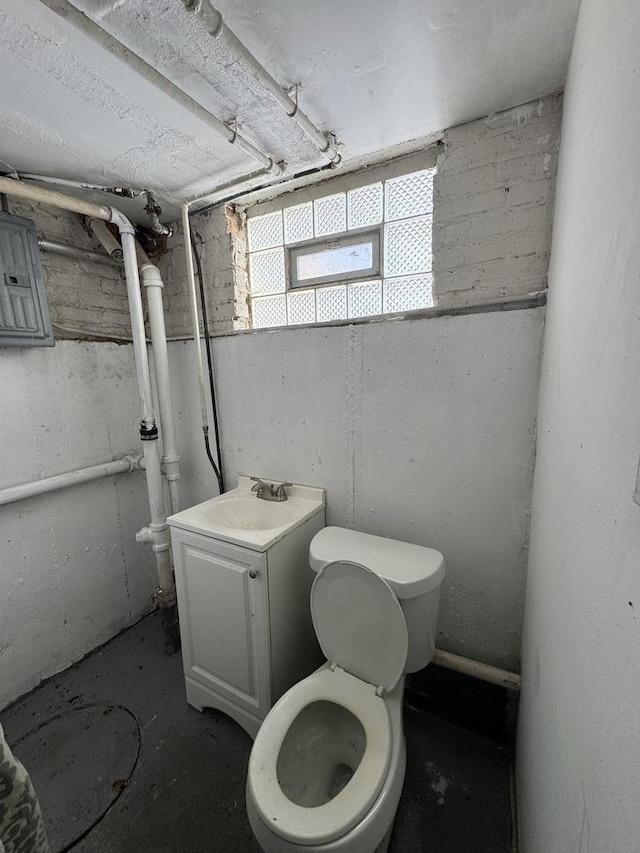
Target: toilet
x: 327, y: 765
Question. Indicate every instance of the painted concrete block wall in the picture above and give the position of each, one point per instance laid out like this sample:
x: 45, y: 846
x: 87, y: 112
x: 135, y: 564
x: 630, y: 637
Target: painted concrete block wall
x: 493, y: 205
x: 420, y: 430
x: 82, y: 295
x: 579, y: 732
x: 71, y: 573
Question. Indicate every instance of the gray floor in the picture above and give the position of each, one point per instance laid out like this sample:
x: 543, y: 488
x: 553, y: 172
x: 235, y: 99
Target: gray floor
x: 123, y: 764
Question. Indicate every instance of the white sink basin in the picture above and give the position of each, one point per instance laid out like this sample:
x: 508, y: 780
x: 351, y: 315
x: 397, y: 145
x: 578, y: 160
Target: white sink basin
x: 240, y: 513
x: 240, y: 517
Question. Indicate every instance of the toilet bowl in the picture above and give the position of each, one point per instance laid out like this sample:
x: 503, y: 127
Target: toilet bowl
x: 327, y: 766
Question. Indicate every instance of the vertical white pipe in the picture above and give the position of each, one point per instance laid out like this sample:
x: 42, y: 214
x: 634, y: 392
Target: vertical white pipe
x: 153, y: 285
x: 195, y: 319
x: 137, y: 325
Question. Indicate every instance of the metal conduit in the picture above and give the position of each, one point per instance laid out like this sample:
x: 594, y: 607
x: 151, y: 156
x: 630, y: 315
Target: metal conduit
x: 74, y: 252
x: 213, y: 22
x: 68, y: 12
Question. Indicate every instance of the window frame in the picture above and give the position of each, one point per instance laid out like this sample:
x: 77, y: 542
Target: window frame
x: 342, y: 239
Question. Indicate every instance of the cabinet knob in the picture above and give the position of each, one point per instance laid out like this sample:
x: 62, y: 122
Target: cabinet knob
x: 253, y: 573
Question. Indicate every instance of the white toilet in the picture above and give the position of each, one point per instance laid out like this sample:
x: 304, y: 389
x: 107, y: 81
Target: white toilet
x: 327, y: 766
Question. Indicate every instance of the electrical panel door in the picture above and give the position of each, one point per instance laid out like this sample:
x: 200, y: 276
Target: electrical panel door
x: 24, y: 316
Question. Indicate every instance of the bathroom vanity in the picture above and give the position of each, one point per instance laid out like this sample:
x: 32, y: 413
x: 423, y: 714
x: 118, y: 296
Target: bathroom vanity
x: 243, y: 582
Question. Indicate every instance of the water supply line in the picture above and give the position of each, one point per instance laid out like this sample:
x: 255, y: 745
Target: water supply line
x: 213, y: 22
x: 157, y: 533
x: 100, y: 36
x: 195, y: 322
x: 207, y: 345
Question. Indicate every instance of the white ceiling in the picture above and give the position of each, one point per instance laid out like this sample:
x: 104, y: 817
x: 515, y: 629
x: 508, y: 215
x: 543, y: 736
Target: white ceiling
x: 376, y: 73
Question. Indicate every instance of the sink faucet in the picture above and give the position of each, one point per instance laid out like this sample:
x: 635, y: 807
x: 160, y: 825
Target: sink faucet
x: 269, y: 491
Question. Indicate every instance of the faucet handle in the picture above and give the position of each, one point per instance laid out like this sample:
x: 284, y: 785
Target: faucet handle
x: 280, y: 490
x: 259, y: 485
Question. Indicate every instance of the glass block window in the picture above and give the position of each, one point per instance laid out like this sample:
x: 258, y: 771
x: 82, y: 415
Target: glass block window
x: 359, y: 253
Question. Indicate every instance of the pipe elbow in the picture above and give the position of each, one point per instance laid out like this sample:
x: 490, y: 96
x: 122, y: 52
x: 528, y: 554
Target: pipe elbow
x: 150, y: 276
x: 121, y: 222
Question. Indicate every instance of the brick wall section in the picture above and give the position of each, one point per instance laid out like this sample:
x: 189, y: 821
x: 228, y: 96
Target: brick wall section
x: 83, y: 295
x: 213, y: 239
x: 493, y: 205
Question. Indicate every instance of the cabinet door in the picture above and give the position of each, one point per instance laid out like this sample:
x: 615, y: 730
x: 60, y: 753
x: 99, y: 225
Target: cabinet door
x: 223, y: 603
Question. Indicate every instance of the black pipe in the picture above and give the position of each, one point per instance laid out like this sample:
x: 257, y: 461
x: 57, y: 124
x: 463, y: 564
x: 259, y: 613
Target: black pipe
x: 214, y: 408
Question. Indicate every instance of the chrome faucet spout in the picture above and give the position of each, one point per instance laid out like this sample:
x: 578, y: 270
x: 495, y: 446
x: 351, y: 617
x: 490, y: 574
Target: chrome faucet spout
x: 269, y: 491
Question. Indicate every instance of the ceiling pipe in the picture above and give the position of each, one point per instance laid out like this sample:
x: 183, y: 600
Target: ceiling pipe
x: 68, y: 12
x: 213, y: 22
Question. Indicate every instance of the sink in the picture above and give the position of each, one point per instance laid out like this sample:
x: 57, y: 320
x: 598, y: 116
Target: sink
x: 240, y: 517
x: 240, y: 513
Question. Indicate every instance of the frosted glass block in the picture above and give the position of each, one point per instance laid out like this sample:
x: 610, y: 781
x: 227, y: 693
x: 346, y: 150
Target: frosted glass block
x: 298, y: 223
x: 408, y: 195
x: 364, y: 206
x: 407, y: 294
x: 407, y: 246
x: 265, y: 231
x: 365, y: 299
x: 302, y: 307
x: 330, y: 214
x: 331, y: 303
x: 266, y: 271
x: 269, y: 311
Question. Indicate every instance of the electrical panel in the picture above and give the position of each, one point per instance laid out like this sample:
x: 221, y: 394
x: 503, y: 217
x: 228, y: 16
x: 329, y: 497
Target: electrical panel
x: 24, y: 316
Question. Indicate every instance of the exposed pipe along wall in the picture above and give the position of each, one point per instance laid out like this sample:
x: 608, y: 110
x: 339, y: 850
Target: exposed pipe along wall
x: 157, y: 533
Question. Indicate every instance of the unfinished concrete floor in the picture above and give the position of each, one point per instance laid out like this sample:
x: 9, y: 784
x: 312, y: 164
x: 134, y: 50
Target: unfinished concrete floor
x: 123, y: 765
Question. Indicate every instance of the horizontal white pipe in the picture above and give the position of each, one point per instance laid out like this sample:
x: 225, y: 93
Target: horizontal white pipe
x: 63, y: 182
x: 74, y: 252
x: 213, y: 22
x: 71, y: 478
x: 83, y: 22
x: 55, y: 199
x: 483, y: 671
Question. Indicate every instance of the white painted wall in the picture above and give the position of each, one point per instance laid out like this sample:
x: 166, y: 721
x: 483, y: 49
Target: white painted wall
x: 579, y: 739
x: 422, y: 430
x: 71, y: 574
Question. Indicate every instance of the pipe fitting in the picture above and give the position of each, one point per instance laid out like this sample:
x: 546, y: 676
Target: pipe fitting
x: 156, y: 535
x: 151, y: 276
x: 153, y: 211
x: 121, y: 222
x: 112, y: 247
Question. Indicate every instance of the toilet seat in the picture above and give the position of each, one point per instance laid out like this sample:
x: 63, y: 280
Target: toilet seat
x: 332, y: 820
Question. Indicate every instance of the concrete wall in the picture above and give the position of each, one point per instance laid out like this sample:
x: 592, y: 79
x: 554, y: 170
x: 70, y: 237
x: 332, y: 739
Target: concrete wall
x: 422, y: 430
x: 71, y: 574
x: 579, y: 743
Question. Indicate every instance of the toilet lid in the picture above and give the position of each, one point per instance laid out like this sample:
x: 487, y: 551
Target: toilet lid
x: 359, y: 623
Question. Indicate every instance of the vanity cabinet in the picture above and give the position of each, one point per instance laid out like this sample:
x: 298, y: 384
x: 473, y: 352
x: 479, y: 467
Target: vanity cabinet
x: 245, y: 620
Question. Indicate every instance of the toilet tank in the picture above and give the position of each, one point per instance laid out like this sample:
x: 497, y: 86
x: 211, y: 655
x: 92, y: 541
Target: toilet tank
x: 413, y: 572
